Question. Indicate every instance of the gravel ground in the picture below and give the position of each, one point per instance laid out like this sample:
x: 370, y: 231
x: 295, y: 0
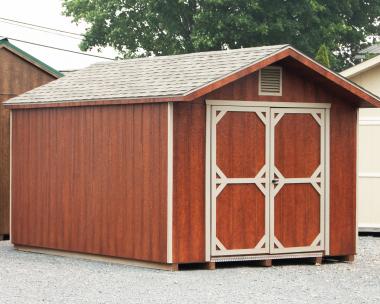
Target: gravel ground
x: 37, y: 278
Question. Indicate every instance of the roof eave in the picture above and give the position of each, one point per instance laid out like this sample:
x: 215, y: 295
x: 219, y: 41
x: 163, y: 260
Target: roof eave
x: 361, y: 67
x: 288, y: 51
x: 91, y: 102
x: 366, y: 96
x: 4, y: 43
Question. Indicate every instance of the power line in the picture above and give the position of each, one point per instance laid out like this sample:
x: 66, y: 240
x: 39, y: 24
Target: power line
x: 38, y: 29
x: 59, y: 49
x: 40, y: 26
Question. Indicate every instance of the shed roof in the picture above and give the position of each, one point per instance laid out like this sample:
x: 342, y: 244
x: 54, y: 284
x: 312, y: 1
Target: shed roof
x: 146, y: 77
x: 4, y: 43
x: 168, y: 78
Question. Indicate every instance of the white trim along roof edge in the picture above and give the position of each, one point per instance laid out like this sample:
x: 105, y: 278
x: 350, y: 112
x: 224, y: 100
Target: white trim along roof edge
x: 361, y: 67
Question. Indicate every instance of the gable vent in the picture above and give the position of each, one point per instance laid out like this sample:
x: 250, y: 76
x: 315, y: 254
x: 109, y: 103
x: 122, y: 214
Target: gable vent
x: 270, y: 81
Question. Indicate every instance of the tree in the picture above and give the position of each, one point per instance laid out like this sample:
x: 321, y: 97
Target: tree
x: 163, y: 27
x: 323, y: 56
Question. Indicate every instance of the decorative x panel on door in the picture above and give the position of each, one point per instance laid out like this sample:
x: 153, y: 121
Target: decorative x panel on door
x: 297, y: 189
x: 240, y: 157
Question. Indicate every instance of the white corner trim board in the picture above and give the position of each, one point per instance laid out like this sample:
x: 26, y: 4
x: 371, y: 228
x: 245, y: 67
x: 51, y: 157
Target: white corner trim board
x: 357, y: 182
x: 10, y: 175
x: 170, y: 186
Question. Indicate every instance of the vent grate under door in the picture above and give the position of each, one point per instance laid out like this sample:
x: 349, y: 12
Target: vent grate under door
x: 270, y: 81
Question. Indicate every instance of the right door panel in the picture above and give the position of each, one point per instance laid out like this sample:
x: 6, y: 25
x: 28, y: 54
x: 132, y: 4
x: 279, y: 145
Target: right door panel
x: 297, y: 176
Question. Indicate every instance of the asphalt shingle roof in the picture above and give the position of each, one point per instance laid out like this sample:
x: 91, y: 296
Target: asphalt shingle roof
x: 373, y: 49
x: 146, y: 77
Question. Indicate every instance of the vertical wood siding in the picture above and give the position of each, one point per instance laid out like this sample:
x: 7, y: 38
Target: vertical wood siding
x: 91, y: 180
x: 189, y: 158
x: 104, y: 169
x: 343, y: 179
x: 189, y: 182
x: 16, y: 77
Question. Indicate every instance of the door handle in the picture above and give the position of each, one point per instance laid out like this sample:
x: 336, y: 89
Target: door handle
x: 275, y: 181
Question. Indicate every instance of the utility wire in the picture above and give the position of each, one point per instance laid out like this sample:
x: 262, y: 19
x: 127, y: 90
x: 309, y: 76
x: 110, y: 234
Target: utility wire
x: 40, y: 26
x: 59, y: 49
x: 38, y: 29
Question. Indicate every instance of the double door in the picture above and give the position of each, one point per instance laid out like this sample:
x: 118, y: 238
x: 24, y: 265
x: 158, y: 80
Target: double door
x: 267, y: 180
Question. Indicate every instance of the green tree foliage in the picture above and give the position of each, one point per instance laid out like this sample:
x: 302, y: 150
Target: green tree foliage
x: 323, y: 56
x: 162, y: 27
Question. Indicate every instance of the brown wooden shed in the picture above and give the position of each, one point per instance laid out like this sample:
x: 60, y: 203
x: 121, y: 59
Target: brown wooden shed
x: 245, y: 154
x: 19, y: 72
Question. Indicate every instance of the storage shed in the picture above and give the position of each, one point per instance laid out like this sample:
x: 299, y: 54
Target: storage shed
x: 246, y: 154
x: 19, y: 72
x: 367, y: 75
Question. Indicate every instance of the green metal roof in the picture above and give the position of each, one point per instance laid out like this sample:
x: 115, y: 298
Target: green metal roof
x: 4, y: 42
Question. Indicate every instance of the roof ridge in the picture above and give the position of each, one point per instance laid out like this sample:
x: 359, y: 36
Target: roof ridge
x: 160, y: 57
x: 176, y: 75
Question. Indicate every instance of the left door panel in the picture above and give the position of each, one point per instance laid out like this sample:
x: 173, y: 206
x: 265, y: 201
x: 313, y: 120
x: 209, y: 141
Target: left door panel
x: 239, y: 180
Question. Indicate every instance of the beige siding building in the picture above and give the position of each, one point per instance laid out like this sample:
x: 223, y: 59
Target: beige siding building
x: 367, y: 75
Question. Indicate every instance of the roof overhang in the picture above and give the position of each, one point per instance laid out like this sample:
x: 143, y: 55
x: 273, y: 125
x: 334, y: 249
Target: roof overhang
x: 367, y: 99
x: 4, y: 43
x: 361, y: 67
x: 366, y: 96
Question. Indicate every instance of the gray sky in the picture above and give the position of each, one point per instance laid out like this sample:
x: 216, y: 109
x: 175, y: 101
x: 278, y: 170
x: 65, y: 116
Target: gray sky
x: 46, y: 13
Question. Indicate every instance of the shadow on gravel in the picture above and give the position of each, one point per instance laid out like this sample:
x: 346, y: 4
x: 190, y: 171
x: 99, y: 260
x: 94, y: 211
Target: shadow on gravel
x: 4, y: 237
x: 374, y: 234
x: 258, y: 264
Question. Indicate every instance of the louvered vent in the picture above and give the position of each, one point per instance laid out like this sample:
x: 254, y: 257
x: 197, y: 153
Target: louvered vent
x: 270, y: 81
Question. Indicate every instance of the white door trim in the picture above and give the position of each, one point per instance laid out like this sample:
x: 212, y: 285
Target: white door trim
x: 240, y: 103
x: 327, y: 181
x: 210, y: 136
x: 208, y: 186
